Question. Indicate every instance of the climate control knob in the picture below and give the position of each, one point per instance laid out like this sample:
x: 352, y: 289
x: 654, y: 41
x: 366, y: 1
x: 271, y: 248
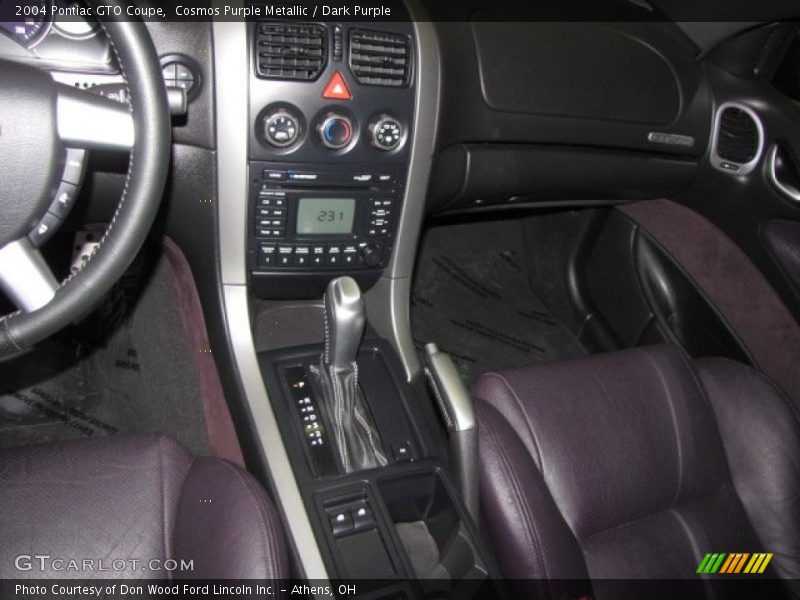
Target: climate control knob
x: 386, y: 133
x: 281, y: 128
x: 335, y: 131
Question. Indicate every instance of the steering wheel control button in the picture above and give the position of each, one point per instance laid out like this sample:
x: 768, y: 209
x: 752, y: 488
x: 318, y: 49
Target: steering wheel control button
x: 65, y: 198
x: 44, y: 230
x: 74, y: 166
x: 386, y: 133
x: 281, y: 128
x: 337, y: 89
x: 335, y: 131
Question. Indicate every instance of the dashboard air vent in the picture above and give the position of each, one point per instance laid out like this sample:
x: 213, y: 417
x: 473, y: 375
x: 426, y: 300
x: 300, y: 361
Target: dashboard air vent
x: 738, y: 137
x: 296, y: 51
x: 378, y: 58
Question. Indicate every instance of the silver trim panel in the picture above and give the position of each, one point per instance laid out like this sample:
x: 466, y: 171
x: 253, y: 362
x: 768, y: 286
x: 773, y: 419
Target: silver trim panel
x: 231, y: 91
x: 716, y: 160
x: 392, y: 293
x: 87, y: 120
x: 25, y: 277
x: 787, y: 189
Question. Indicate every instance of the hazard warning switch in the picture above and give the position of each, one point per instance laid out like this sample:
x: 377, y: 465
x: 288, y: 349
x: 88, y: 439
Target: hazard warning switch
x: 337, y: 88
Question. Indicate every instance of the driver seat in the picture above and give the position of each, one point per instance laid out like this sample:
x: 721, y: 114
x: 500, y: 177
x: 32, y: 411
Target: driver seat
x: 633, y: 465
x: 133, y: 498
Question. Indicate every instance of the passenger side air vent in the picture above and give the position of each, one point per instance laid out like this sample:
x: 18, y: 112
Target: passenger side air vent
x: 378, y: 58
x: 738, y: 139
x: 296, y: 51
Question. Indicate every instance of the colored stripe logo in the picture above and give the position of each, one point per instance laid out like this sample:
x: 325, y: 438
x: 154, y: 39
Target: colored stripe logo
x: 734, y: 563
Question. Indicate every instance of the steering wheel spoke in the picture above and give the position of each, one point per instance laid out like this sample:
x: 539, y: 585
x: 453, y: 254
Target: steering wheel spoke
x: 25, y: 277
x: 87, y: 120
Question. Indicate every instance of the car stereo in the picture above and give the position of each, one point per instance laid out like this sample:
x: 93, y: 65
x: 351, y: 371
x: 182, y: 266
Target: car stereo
x: 323, y: 219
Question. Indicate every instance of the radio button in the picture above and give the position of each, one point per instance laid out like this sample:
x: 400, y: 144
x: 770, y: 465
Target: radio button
x: 266, y: 255
x: 271, y: 213
x: 334, y: 255
x: 371, y: 254
x: 350, y: 255
x: 272, y: 175
x: 272, y: 223
x: 285, y: 256
x: 302, y: 256
x: 269, y: 233
x: 318, y: 255
x: 277, y: 202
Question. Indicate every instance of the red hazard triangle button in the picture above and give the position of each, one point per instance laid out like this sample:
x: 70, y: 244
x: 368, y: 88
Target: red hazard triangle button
x: 337, y: 88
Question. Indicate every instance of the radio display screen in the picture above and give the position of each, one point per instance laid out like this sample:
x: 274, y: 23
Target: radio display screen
x: 325, y: 216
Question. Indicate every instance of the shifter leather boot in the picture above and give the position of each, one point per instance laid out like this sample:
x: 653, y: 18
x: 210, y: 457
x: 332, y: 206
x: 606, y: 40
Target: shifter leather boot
x: 354, y: 433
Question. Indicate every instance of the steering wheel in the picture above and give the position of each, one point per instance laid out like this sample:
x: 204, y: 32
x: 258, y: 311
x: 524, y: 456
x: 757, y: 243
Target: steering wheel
x: 40, y: 121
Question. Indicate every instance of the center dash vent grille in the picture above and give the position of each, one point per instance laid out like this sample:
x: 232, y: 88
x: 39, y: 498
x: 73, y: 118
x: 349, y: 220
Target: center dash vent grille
x: 296, y: 51
x: 738, y: 138
x: 378, y: 58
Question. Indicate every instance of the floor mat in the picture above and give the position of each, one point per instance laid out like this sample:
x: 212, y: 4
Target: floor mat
x: 471, y: 296
x: 129, y: 369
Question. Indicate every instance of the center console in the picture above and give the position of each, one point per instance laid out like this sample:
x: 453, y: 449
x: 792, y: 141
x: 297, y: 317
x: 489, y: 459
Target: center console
x: 331, y: 125
x: 322, y: 170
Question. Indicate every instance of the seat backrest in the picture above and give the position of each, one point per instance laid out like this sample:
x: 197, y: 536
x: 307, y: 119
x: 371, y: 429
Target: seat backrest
x: 634, y: 465
x: 140, y: 501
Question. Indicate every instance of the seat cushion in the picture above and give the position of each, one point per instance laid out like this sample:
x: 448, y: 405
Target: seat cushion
x: 617, y: 466
x: 133, y: 498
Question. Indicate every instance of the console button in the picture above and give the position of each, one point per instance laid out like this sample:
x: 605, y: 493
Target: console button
x: 341, y: 523
x: 266, y: 255
x: 350, y: 255
x: 271, y: 222
x: 382, y: 177
x: 269, y: 233
x: 271, y: 201
x: 271, y: 213
x: 334, y: 255
x: 371, y: 255
x: 302, y: 255
x: 284, y: 256
x: 336, y: 88
x: 363, y: 518
x: 273, y: 175
x: 318, y: 255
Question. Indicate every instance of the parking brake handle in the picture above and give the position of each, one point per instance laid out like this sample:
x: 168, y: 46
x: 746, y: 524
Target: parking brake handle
x: 458, y: 412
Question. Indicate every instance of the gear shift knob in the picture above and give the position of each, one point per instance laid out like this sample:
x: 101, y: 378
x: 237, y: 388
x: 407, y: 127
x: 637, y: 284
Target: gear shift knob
x: 344, y: 322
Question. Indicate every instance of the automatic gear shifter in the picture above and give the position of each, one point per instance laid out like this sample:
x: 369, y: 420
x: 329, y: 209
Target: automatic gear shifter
x: 354, y: 433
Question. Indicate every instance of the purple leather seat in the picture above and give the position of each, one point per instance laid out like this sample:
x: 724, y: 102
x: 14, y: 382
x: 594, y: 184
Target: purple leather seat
x: 633, y: 465
x: 133, y: 498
